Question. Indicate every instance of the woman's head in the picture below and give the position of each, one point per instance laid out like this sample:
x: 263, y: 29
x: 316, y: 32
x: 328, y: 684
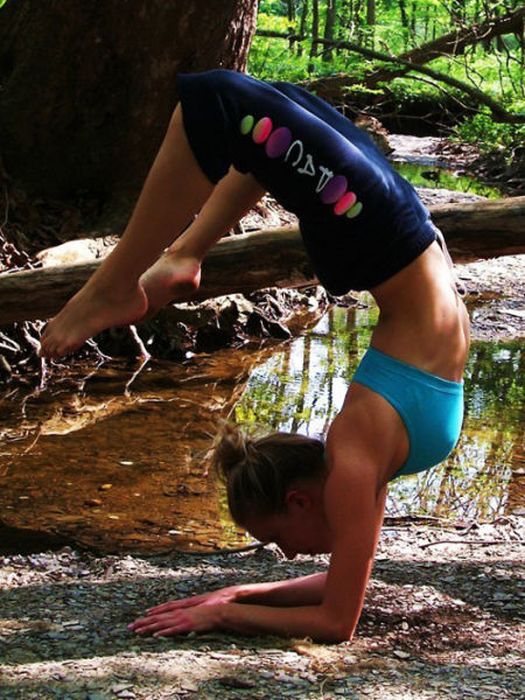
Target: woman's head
x: 258, y: 472
x: 274, y: 484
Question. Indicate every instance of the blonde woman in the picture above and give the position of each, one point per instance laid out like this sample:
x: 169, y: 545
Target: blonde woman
x: 232, y: 139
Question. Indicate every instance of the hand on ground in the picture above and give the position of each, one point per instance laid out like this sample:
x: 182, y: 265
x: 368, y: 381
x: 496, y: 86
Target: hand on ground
x: 197, y: 618
x: 197, y: 613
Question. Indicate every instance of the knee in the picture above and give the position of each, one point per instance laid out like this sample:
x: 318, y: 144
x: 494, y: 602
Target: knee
x: 176, y: 118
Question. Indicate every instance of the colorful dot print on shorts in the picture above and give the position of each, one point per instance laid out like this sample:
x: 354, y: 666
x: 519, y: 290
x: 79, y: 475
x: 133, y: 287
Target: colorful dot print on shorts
x: 334, y: 190
x: 247, y: 124
x: 277, y: 143
x: 354, y: 211
x: 262, y: 130
x: 346, y: 203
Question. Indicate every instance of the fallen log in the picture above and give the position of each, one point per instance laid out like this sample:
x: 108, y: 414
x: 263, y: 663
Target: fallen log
x: 272, y: 258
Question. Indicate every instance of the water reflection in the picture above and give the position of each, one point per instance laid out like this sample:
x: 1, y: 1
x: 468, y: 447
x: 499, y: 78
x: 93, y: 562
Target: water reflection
x: 113, y: 467
x: 434, y: 176
x: 303, y: 386
x: 118, y: 467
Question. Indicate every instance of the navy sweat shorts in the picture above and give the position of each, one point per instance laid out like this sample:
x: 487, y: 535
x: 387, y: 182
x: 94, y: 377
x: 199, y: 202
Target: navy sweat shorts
x: 361, y: 222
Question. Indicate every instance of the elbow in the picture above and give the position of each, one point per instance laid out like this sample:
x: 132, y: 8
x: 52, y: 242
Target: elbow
x: 340, y: 633
x: 336, y: 632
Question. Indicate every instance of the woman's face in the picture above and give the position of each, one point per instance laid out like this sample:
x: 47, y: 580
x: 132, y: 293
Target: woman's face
x: 301, y: 529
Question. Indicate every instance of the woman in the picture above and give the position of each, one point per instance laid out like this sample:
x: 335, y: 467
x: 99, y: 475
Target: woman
x: 230, y: 140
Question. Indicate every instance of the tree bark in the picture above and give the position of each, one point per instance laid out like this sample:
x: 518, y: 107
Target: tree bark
x: 274, y: 258
x: 329, y: 27
x: 88, y: 87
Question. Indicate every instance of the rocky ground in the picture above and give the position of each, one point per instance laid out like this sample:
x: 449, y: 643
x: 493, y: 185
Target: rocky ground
x: 444, y: 617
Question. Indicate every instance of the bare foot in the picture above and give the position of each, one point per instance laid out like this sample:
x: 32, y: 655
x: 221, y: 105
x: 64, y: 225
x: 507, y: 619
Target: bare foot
x: 90, y: 311
x: 172, y: 277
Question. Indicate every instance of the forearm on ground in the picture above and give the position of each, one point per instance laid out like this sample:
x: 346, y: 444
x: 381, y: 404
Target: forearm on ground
x: 306, y: 590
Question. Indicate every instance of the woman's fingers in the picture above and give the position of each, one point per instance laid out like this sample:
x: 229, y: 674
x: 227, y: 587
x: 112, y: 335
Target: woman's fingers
x: 149, y: 625
x: 172, y: 631
x: 160, y: 626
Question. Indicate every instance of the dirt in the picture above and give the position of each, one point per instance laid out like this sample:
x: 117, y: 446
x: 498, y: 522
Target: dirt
x: 496, y: 297
x: 444, y: 617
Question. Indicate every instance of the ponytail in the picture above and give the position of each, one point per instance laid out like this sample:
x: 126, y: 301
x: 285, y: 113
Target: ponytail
x: 258, y: 471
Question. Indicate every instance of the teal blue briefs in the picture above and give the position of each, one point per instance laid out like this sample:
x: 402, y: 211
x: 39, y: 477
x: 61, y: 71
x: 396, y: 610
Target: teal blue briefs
x: 430, y: 407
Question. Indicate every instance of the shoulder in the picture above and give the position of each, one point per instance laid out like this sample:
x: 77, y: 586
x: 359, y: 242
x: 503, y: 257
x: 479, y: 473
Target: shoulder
x: 368, y: 437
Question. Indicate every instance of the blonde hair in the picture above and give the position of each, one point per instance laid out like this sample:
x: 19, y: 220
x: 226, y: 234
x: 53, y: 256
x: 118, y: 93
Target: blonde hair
x: 258, y: 471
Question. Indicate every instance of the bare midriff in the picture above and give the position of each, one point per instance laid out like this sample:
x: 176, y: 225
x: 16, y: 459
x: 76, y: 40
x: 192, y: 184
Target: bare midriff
x: 422, y: 319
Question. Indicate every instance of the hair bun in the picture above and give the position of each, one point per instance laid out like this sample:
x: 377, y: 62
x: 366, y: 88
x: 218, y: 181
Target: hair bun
x: 258, y: 469
x: 231, y: 449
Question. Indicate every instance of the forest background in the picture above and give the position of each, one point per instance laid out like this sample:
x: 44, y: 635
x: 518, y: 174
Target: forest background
x: 341, y: 36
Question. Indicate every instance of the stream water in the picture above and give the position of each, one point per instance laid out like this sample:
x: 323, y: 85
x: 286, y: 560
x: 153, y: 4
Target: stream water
x: 434, y: 176
x: 113, y: 465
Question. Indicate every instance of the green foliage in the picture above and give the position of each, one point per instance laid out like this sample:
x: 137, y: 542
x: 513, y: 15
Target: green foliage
x: 2, y: 3
x: 490, y: 135
x: 494, y: 67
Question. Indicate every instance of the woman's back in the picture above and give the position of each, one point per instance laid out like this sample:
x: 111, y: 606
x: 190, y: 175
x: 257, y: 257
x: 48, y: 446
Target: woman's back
x: 423, y: 320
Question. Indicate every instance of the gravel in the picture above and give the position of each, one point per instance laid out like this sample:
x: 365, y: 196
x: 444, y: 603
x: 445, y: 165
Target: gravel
x: 442, y: 618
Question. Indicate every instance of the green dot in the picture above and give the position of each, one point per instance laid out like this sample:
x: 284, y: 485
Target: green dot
x: 247, y: 124
x: 354, y: 211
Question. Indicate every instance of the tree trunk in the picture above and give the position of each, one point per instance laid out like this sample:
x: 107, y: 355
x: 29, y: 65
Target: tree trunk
x: 88, y: 87
x: 404, y: 20
x: 274, y: 258
x: 302, y: 26
x: 315, y: 33
x: 370, y: 22
x: 291, y: 21
x: 329, y: 29
x: 371, y: 12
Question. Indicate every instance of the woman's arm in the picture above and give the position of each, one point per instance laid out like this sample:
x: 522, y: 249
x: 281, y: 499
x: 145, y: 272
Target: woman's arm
x: 356, y: 520
x: 302, y: 591
x: 305, y: 590
x: 333, y: 620
x: 355, y: 515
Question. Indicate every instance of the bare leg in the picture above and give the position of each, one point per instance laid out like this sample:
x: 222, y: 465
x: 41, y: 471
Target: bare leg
x: 176, y: 275
x: 174, y: 191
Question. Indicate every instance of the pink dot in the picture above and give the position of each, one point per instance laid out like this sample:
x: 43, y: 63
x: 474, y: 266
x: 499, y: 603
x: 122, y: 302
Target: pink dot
x: 334, y: 189
x: 278, y: 142
x: 345, y: 203
x: 262, y: 130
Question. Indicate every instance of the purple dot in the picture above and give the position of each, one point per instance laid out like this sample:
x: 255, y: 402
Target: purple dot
x: 278, y: 142
x: 334, y: 190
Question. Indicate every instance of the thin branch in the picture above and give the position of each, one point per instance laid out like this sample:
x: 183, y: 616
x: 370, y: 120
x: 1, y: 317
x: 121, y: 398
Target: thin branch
x: 481, y: 543
x: 498, y: 112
